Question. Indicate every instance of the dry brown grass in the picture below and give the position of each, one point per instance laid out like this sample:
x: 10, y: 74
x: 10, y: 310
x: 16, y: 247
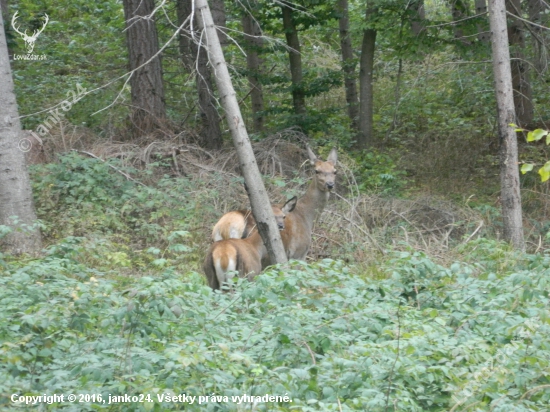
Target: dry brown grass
x: 355, y: 226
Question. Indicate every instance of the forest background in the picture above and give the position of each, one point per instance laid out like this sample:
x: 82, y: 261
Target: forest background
x: 410, y: 299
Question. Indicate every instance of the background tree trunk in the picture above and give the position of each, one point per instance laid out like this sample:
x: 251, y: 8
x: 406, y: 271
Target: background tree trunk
x: 366, y: 89
x: 253, y: 44
x: 295, y: 60
x: 418, y: 18
x: 521, y: 82
x: 537, y: 14
x: 483, y: 34
x: 217, y: 7
x: 15, y: 187
x: 149, y: 109
x: 348, y: 65
x: 459, y: 11
x: 259, y: 201
x: 509, y: 172
x: 195, y: 58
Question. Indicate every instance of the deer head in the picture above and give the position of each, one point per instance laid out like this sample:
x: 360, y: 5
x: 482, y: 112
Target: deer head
x: 29, y: 40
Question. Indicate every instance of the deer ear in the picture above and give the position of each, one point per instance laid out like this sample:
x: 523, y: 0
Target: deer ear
x: 312, y: 157
x: 290, y: 205
x: 333, y: 156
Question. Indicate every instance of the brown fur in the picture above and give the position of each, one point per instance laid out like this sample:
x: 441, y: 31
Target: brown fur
x: 296, y: 235
x: 243, y: 255
x: 239, y: 224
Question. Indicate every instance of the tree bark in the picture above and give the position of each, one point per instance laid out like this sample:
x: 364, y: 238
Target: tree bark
x: 482, y: 30
x: 15, y: 187
x: 261, y: 207
x: 537, y: 14
x: 295, y: 60
x: 459, y: 11
x: 348, y: 65
x: 195, y: 58
x: 148, y: 104
x: 419, y: 17
x: 253, y: 44
x: 523, y: 95
x: 366, y: 89
x: 509, y: 172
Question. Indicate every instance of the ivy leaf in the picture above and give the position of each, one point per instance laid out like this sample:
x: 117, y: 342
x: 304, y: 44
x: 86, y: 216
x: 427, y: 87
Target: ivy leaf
x: 536, y: 135
x: 526, y: 167
x: 544, y: 172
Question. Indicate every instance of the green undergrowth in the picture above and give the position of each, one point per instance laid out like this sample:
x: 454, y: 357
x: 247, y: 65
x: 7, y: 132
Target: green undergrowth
x: 425, y: 338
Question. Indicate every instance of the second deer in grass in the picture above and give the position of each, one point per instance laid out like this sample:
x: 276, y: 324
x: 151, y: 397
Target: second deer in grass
x: 242, y: 255
x: 299, y: 224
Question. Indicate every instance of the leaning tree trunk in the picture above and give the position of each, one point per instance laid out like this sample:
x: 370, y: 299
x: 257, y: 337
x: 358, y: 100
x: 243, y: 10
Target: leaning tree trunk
x: 295, y: 60
x: 195, y: 58
x: 366, y: 88
x: 510, y: 196
x: 261, y: 208
x: 15, y: 187
x: 523, y: 96
x: 253, y: 44
x: 348, y: 64
x: 148, y: 105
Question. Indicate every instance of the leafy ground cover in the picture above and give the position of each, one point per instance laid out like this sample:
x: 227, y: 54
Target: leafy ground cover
x: 425, y: 338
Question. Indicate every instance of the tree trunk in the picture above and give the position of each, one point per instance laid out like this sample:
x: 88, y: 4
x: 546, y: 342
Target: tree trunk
x: 483, y: 34
x: 419, y: 17
x: 520, y: 67
x: 253, y: 44
x: 538, y: 14
x: 509, y: 172
x: 195, y: 58
x: 217, y: 7
x: 459, y: 11
x: 261, y: 207
x: 15, y: 187
x: 366, y: 89
x: 149, y: 110
x: 348, y: 65
x: 295, y: 60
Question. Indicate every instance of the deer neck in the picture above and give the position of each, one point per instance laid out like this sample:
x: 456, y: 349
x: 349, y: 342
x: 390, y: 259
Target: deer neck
x: 311, y: 203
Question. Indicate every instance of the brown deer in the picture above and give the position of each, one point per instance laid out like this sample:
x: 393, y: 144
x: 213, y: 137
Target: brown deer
x: 296, y: 235
x: 242, y: 255
x: 239, y: 224
x: 299, y: 224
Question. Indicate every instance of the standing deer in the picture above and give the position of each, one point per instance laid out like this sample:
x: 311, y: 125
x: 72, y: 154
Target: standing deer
x: 29, y: 40
x: 242, y: 255
x: 299, y: 224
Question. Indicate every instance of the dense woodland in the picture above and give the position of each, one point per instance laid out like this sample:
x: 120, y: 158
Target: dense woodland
x: 419, y: 291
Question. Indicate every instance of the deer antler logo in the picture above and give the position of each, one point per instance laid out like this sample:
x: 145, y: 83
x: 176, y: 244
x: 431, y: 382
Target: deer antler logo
x: 29, y: 40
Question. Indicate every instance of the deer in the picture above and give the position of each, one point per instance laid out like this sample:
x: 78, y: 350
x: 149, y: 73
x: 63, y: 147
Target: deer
x: 239, y: 224
x: 242, y: 255
x: 29, y: 40
x: 296, y: 235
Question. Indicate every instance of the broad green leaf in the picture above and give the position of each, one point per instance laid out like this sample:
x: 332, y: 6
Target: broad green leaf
x: 544, y: 172
x: 536, y: 135
x: 526, y: 167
